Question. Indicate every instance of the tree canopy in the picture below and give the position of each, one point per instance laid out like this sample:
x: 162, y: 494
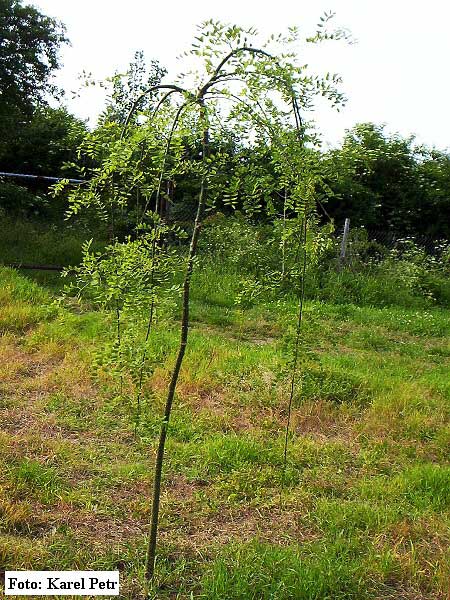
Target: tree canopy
x: 29, y: 45
x: 44, y: 143
x: 384, y: 181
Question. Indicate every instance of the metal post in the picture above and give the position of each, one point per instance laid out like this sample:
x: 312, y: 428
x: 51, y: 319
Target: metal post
x: 344, y: 243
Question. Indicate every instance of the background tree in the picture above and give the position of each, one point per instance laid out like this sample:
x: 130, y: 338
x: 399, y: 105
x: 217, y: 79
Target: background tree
x: 128, y: 87
x: 386, y: 182
x: 43, y: 144
x: 433, y: 197
x: 29, y: 46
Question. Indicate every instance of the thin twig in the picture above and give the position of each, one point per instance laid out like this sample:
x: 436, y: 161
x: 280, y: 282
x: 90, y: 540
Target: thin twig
x: 296, y: 354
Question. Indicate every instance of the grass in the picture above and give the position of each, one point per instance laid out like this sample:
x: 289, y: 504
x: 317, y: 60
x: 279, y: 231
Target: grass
x: 55, y: 243
x: 365, y: 504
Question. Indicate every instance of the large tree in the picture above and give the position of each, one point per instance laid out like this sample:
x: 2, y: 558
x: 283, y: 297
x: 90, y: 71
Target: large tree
x: 34, y: 138
x: 44, y: 143
x: 29, y: 45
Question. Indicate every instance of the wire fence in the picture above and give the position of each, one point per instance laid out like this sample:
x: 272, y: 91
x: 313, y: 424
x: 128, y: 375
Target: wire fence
x: 391, y: 239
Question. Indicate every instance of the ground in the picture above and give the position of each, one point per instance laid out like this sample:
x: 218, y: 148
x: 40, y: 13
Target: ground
x: 361, y: 510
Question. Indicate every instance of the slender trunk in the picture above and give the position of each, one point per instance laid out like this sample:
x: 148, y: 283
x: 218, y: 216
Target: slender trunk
x: 296, y: 355
x: 343, y: 252
x: 283, y: 247
x: 144, y: 356
x: 119, y: 341
x: 151, y: 552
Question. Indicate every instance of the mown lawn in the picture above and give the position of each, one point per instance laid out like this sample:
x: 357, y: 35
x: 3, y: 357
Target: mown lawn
x: 365, y: 506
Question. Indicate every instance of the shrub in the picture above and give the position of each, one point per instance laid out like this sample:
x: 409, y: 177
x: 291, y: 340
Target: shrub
x: 268, y: 262
x: 18, y: 199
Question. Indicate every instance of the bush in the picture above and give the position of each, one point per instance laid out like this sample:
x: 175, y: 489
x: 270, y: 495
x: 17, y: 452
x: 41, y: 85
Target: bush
x: 17, y: 199
x: 268, y: 260
x: 29, y: 241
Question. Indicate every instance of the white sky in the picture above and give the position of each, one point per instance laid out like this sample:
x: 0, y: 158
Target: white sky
x: 398, y: 72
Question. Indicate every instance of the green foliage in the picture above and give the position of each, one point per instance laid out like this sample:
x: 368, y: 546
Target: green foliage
x: 29, y: 46
x: 43, y: 143
x: 16, y: 199
x: 135, y: 281
x: 34, y: 138
x: 128, y: 275
x: 268, y: 259
x: 386, y: 182
x: 131, y: 166
x: 405, y: 275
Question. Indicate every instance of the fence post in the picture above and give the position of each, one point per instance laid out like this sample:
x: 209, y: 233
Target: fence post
x: 343, y: 252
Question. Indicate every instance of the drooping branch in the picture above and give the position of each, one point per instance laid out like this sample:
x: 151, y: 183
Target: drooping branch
x: 153, y: 253
x: 150, y: 90
x: 162, y: 100
x: 216, y: 75
x: 166, y: 154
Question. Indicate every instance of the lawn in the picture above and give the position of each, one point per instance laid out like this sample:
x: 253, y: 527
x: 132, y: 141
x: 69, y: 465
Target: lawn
x: 362, y: 510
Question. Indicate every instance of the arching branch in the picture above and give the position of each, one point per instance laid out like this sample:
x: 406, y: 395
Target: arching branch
x: 172, y: 89
x: 217, y: 78
x: 226, y: 59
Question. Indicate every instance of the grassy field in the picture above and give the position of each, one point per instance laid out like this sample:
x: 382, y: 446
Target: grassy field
x: 365, y: 508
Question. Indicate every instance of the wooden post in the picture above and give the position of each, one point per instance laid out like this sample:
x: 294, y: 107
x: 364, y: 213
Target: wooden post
x: 343, y: 252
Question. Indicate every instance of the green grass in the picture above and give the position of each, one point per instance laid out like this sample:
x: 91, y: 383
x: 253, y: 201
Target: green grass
x: 365, y: 496
x: 31, y: 242
x: 31, y: 478
x: 338, y: 570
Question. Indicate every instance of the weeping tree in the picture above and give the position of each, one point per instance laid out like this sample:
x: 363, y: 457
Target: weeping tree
x: 259, y: 92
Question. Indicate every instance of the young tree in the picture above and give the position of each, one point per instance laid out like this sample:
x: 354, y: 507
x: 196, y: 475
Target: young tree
x: 259, y: 92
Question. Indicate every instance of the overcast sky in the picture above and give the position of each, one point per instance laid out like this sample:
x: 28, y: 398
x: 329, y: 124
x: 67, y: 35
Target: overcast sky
x: 397, y: 73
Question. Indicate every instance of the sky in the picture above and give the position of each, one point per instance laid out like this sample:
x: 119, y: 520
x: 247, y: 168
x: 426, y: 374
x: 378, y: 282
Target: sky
x: 396, y: 73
